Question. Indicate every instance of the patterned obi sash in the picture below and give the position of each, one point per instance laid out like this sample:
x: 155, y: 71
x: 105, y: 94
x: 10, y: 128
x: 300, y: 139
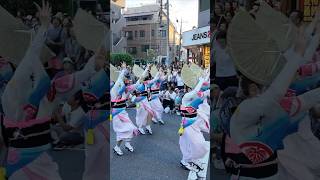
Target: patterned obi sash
x: 143, y: 93
x: 155, y: 91
x: 188, y: 112
x: 27, y: 134
x: 121, y: 103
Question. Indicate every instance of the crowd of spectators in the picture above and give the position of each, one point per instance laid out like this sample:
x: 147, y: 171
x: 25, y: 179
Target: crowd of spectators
x: 70, y: 57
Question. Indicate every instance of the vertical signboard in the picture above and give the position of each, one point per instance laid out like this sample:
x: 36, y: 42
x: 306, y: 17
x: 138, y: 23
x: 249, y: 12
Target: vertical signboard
x: 206, y: 56
x: 309, y: 9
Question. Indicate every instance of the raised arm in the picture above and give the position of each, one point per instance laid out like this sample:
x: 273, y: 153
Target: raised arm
x: 87, y: 72
x: 304, y: 102
x: 144, y: 75
x: 155, y: 79
x: 119, y: 84
x: 30, y: 67
x: 312, y: 45
x: 186, y: 98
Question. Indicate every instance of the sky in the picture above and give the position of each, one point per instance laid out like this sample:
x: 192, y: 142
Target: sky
x: 185, y: 9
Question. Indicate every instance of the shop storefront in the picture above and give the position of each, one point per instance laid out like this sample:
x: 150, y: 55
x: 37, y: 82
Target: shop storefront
x: 197, y: 43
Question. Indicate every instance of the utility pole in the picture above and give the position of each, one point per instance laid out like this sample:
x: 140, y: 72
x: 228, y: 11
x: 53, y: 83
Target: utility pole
x: 168, y: 30
x: 180, y: 40
x: 160, y: 30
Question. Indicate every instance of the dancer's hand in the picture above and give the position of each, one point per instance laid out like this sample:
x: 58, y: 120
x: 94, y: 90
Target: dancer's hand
x: 44, y: 13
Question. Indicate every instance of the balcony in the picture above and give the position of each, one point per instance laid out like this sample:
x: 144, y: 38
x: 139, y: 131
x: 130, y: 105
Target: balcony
x: 132, y: 23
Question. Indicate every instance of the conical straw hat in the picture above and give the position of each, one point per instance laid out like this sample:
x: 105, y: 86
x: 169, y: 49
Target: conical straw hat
x: 153, y: 71
x: 196, y: 70
x: 254, y: 52
x: 15, y: 39
x: 188, y: 77
x: 89, y: 31
x: 114, y: 73
x: 137, y: 71
x: 276, y: 25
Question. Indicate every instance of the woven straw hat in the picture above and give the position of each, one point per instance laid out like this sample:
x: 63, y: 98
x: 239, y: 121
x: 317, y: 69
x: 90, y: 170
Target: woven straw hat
x: 255, y: 53
x: 196, y: 70
x: 114, y: 73
x: 153, y: 71
x: 15, y: 39
x: 137, y: 71
x: 276, y: 25
x: 89, y: 31
x: 188, y: 76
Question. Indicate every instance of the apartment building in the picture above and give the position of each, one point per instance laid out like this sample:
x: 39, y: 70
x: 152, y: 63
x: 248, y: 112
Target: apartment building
x: 118, y: 22
x: 146, y: 28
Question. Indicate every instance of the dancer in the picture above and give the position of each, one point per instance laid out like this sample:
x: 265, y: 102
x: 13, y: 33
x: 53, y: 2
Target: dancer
x: 191, y: 139
x: 144, y: 111
x: 96, y: 130
x: 155, y: 103
x: 27, y: 133
x: 260, y: 124
x: 121, y: 122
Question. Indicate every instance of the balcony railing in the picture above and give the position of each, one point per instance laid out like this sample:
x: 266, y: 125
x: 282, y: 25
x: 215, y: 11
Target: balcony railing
x: 140, y: 22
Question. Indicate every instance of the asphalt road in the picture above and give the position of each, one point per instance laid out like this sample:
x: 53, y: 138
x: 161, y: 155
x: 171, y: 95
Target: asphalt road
x: 219, y: 175
x: 70, y: 162
x: 156, y: 157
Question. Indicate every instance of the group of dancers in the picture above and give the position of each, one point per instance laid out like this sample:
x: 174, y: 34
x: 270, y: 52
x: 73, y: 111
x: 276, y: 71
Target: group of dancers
x: 145, y: 94
x: 30, y: 99
x: 195, y: 111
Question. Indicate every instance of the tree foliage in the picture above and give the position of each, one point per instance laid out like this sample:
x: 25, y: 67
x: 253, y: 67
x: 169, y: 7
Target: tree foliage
x: 118, y: 58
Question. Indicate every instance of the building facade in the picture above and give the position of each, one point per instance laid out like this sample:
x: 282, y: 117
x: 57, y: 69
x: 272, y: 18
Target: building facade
x: 146, y: 29
x: 197, y: 41
x: 117, y: 23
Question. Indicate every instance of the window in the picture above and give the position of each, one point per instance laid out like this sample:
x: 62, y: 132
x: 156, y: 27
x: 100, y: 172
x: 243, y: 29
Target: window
x: 144, y: 48
x: 129, y: 35
x: 164, y: 33
x: 152, y: 33
x: 142, y: 33
x: 132, y: 50
x: 135, y: 33
x: 204, y: 5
